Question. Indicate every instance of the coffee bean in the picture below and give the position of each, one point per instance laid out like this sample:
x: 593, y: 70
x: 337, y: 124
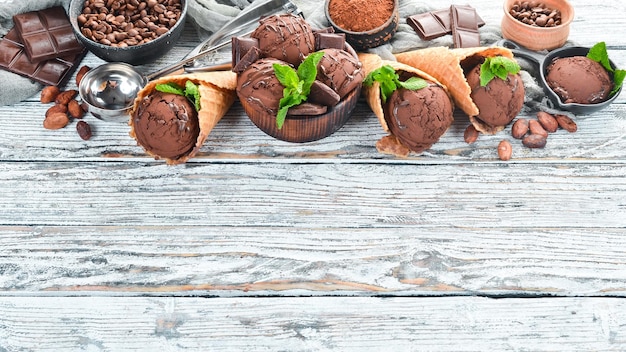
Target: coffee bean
x: 535, y: 14
x: 115, y: 22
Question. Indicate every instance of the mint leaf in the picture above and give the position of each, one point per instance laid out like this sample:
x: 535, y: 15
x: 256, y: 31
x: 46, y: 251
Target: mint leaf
x: 190, y: 91
x: 297, y: 84
x: 171, y: 88
x: 497, y: 66
x: 599, y: 54
x: 618, y: 80
x: 390, y: 80
x: 307, y: 71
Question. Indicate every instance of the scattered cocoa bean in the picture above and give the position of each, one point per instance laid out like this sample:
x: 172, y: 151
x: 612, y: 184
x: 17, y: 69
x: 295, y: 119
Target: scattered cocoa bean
x: 75, y: 109
x: 547, y: 121
x: 566, y: 123
x: 49, y: 94
x: 470, y: 135
x: 520, y: 128
x: 84, y: 130
x: 505, y: 150
x: 534, y: 141
x: 81, y: 72
x: 56, y: 121
x: 535, y: 128
x: 64, y: 97
x: 56, y: 108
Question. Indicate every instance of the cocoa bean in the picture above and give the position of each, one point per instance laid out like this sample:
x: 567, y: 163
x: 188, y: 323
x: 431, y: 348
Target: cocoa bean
x: 534, y: 141
x: 535, y: 128
x: 566, y: 123
x: 519, y: 128
x: 84, y: 130
x: 470, y: 135
x: 64, y: 97
x: 505, y: 150
x: 56, y: 121
x: 49, y: 94
x: 547, y: 121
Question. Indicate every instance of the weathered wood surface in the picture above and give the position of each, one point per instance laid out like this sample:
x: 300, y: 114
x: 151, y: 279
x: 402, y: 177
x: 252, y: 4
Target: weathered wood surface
x: 103, y: 248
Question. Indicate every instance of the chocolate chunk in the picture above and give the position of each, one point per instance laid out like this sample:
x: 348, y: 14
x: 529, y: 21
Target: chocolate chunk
x: 307, y: 109
x: 330, y: 40
x: 241, y: 46
x: 464, y: 27
x: 434, y: 24
x: 324, y: 30
x: 323, y: 95
x: 46, y: 34
x: 53, y: 72
x: 248, y: 59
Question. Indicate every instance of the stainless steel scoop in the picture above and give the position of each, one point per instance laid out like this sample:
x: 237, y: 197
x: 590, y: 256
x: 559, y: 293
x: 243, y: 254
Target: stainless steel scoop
x: 110, y: 89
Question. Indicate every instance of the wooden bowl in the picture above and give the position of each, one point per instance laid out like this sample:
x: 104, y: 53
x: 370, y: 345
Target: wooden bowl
x: 362, y: 41
x: 301, y: 129
x: 534, y: 37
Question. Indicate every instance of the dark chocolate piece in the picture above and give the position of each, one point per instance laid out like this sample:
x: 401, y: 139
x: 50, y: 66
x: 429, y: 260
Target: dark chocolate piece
x: 330, y: 40
x: 434, y: 24
x: 46, y: 34
x: 464, y: 27
x: 53, y: 72
x: 324, y: 30
x: 307, y: 109
x: 323, y: 95
x: 248, y: 59
x: 240, y: 47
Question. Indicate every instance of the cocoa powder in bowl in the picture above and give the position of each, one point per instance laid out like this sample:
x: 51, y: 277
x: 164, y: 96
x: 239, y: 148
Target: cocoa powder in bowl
x: 360, y: 15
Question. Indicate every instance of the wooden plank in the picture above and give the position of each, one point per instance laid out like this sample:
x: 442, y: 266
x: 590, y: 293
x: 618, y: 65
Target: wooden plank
x: 492, y: 195
x: 226, y: 261
x: 312, y: 324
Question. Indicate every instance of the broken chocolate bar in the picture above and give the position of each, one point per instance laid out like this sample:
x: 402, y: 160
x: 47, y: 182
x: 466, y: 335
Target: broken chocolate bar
x: 434, y: 24
x: 53, y: 72
x: 464, y: 27
x: 46, y: 34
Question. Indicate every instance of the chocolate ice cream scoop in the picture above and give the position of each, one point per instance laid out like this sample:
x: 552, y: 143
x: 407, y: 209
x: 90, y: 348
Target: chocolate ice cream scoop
x: 340, y: 70
x: 285, y: 37
x: 418, y: 118
x: 166, y: 124
x: 578, y: 79
x: 500, y: 101
x: 259, y: 87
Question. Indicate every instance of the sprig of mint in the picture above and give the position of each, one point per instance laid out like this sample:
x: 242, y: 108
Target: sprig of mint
x: 191, y: 91
x: 390, y: 81
x: 297, y: 84
x: 599, y: 54
x: 497, y: 66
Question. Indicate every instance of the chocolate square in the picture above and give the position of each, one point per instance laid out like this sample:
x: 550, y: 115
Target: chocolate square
x: 53, y: 72
x: 46, y: 34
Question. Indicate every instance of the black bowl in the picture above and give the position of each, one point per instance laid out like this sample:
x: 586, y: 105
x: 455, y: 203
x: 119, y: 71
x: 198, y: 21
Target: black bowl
x: 136, y: 54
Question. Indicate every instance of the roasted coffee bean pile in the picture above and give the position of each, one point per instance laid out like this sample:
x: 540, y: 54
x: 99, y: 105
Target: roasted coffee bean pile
x: 123, y: 23
x: 535, y: 14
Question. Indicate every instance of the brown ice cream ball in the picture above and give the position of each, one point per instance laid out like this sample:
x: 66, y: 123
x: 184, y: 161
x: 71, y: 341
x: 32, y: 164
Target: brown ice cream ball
x: 340, y: 70
x: 500, y: 101
x: 259, y: 87
x: 578, y: 79
x: 166, y: 125
x: 285, y: 37
x: 419, y: 118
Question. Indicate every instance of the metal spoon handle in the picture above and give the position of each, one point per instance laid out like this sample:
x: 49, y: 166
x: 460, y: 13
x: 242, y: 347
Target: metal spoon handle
x: 178, y: 65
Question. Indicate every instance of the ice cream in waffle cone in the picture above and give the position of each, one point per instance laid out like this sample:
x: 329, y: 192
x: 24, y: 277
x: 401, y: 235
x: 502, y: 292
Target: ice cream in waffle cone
x: 415, y: 120
x: 167, y: 125
x: 450, y: 67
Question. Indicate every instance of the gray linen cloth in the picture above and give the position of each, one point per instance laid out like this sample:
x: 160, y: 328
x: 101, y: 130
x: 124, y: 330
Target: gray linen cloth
x: 210, y: 15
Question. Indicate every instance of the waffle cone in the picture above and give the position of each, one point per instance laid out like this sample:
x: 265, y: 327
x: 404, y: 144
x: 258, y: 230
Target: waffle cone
x: 445, y: 65
x: 217, y: 94
x: 388, y: 144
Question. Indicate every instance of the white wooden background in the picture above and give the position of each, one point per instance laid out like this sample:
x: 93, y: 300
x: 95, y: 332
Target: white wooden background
x: 263, y: 245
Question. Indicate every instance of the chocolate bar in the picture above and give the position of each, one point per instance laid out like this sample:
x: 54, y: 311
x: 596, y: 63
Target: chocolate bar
x: 53, y: 72
x: 46, y: 34
x: 434, y: 24
x: 464, y: 27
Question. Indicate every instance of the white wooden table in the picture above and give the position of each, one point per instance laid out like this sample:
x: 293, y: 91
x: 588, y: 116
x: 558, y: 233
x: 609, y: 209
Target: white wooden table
x: 260, y: 245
